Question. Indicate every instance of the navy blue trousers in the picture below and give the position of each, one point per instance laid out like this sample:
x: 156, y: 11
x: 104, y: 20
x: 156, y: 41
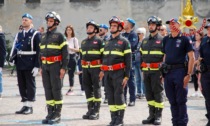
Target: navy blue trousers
x: 205, y: 82
x: 177, y: 96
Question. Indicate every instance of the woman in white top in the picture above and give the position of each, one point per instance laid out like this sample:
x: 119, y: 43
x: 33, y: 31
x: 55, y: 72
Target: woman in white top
x: 73, y: 47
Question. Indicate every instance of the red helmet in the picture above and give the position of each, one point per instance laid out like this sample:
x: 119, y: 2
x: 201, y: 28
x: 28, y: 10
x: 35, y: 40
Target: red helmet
x: 117, y: 20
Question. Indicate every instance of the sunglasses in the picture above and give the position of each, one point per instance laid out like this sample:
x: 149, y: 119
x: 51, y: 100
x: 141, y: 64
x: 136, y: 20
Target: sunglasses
x: 139, y: 33
x: 162, y: 29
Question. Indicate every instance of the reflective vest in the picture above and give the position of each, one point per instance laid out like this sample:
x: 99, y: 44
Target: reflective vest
x: 151, y: 50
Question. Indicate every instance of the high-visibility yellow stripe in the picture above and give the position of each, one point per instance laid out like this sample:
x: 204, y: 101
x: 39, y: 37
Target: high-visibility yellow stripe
x: 127, y: 51
x: 147, y: 69
x: 50, y: 102
x: 143, y: 51
x: 86, y: 66
x: 102, y: 49
x: 90, y: 99
x: 84, y: 52
x: 42, y: 47
x: 47, y: 62
x: 112, y: 108
x: 97, y: 99
x: 63, y: 44
x: 106, y: 52
x: 80, y: 50
x: 54, y: 46
x: 93, y: 52
x: 156, y: 52
x: 159, y: 105
x: 117, y: 53
x: 59, y: 102
x: 152, y: 103
x: 120, y: 107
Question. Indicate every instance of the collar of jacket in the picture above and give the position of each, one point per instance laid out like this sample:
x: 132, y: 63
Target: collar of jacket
x: 153, y: 37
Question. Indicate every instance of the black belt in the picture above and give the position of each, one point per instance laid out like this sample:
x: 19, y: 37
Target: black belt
x: 177, y: 66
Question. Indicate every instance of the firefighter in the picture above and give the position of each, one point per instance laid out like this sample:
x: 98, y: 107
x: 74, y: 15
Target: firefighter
x: 91, y: 49
x: 151, y: 58
x: 116, y: 67
x: 54, y: 60
x: 178, y: 70
x: 24, y: 54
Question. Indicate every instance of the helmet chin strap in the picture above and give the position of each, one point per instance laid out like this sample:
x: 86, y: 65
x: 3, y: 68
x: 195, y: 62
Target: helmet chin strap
x: 152, y: 31
x: 51, y: 26
x: 114, y: 32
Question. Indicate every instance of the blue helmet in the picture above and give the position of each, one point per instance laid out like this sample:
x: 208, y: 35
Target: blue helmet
x: 104, y: 26
x: 131, y: 21
x: 26, y: 15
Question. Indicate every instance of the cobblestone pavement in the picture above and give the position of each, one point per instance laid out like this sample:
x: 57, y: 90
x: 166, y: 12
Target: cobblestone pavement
x: 75, y: 106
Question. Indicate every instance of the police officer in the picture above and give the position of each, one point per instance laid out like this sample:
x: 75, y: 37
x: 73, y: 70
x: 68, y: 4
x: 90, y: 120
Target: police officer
x: 116, y: 67
x: 54, y: 60
x: 25, y: 52
x: 176, y: 47
x: 132, y: 37
x: 92, y: 49
x: 205, y: 70
x: 151, y: 58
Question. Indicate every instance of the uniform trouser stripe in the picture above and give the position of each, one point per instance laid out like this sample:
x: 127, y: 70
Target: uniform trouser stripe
x: 156, y: 104
x: 90, y: 99
x: 50, y: 102
x: 114, y: 108
x: 59, y: 102
x: 152, y: 103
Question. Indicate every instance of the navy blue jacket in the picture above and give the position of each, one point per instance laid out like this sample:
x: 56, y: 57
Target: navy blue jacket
x: 2, y: 49
x: 133, y: 39
x: 25, y: 44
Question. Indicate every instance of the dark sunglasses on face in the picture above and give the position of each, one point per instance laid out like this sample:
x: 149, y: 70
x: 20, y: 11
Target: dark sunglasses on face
x: 161, y: 29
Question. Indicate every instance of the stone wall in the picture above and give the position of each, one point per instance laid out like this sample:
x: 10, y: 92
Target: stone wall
x: 78, y: 13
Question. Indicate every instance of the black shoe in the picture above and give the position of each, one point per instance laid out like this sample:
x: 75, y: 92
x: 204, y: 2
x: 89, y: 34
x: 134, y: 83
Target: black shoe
x: 131, y: 104
x: 21, y: 110
x: 151, y: 118
x: 28, y: 110
x: 90, y: 110
x: 158, y: 116
x: 113, y: 118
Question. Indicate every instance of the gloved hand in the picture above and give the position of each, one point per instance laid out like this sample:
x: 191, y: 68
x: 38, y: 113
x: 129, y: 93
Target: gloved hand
x: 0, y: 69
x: 35, y: 71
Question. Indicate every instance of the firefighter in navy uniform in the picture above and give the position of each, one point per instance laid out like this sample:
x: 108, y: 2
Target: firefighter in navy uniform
x: 152, y: 56
x: 54, y: 60
x: 116, y: 67
x: 205, y: 70
x: 177, y: 71
x: 92, y: 49
x: 25, y: 55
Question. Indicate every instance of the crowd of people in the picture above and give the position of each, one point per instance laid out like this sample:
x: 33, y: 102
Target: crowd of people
x: 121, y: 56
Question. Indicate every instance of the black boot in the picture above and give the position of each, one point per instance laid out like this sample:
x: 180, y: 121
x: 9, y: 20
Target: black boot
x: 158, y: 116
x: 119, y: 119
x: 56, y: 116
x: 50, y: 110
x: 95, y: 114
x: 90, y: 110
x: 113, y: 118
x: 151, y: 118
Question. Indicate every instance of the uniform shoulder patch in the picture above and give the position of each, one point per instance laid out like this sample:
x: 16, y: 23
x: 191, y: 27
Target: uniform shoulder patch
x: 145, y: 41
